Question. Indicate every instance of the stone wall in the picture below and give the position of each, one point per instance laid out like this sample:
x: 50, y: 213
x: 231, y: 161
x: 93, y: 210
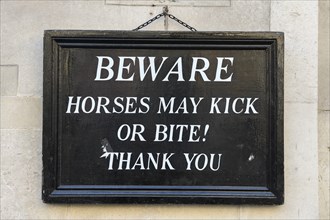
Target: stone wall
x: 22, y: 27
x: 324, y: 108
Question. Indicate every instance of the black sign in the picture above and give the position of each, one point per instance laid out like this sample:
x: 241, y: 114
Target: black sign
x: 163, y: 117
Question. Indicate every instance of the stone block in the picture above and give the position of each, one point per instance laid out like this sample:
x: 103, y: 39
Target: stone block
x: 21, y: 112
x: 324, y: 170
x: 153, y: 212
x: 9, y: 80
x: 324, y: 55
x: 240, y: 16
x: 300, y: 26
x: 204, y: 3
x: 21, y: 169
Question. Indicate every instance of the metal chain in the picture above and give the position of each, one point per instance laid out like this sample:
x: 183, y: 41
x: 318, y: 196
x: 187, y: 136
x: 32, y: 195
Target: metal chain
x: 149, y: 22
x: 161, y: 15
x: 181, y: 22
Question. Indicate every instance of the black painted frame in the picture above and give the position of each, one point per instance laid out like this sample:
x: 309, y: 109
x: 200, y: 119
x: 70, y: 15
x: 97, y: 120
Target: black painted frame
x: 55, y: 40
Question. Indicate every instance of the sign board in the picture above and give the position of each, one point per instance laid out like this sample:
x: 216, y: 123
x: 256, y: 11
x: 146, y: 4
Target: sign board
x: 163, y: 117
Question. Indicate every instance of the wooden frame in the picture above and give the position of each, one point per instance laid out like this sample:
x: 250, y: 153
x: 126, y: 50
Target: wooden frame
x: 55, y: 42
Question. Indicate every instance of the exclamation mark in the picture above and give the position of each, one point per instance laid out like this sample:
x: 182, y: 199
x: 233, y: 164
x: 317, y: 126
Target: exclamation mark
x: 205, y: 132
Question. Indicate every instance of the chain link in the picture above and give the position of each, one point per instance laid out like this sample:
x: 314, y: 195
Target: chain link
x: 161, y: 15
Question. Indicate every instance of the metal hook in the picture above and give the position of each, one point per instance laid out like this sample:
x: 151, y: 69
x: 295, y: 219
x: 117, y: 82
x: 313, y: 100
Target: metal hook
x: 165, y: 13
x: 165, y: 10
